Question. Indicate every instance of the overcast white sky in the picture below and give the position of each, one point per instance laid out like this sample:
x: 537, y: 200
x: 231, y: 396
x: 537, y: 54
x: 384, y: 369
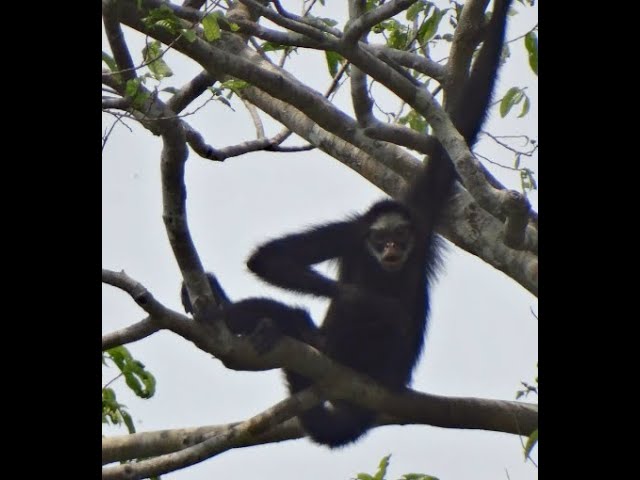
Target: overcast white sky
x: 482, y: 339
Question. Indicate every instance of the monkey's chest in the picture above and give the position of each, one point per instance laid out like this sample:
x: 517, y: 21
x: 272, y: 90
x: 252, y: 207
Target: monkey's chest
x: 369, y: 336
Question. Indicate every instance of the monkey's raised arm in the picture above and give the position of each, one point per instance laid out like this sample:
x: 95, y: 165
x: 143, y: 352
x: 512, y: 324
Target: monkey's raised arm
x: 468, y: 110
x: 286, y: 262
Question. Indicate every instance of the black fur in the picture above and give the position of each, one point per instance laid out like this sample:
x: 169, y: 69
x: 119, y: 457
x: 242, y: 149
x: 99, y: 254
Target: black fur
x: 218, y: 293
x: 376, y: 321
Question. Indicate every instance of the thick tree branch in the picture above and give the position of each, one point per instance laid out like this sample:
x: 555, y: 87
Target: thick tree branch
x: 515, y: 228
x: 249, y: 66
x: 155, y: 116
x: 217, y: 444
x: 174, y: 195
x: 189, y: 92
x: 117, y: 43
x: 151, y: 444
x: 465, y: 40
x: 418, y: 63
x: 335, y: 381
x: 467, y: 166
x: 116, y: 103
x: 154, y: 443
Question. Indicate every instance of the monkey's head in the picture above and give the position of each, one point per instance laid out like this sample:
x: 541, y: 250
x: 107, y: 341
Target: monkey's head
x: 391, y: 235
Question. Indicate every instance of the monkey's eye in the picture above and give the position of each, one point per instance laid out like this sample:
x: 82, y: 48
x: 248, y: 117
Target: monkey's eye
x: 378, y: 238
x: 402, y: 234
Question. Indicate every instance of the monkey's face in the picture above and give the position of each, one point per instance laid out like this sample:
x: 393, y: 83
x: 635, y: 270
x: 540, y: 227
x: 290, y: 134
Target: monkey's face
x: 390, y: 240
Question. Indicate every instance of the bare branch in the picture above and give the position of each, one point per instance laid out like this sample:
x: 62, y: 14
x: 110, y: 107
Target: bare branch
x: 334, y: 381
x: 130, y: 334
x: 217, y: 444
x: 151, y: 444
x: 155, y: 116
x: 255, y: 117
x: 307, y: 20
x: 515, y: 228
x: 116, y: 41
x: 189, y: 92
x: 288, y: 21
x: 360, y: 25
x: 410, y: 60
x: 291, y: 149
x: 117, y: 103
x: 136, y: 290
x: 247, y: 65
x: 362, y: 102
x: 465, y: 40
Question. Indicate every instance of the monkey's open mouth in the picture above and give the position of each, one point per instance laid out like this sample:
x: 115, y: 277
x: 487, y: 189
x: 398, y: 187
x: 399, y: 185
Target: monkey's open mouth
x: 391, y: 262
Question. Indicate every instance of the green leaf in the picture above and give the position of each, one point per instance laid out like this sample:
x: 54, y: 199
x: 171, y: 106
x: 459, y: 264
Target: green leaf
x: 382, y: 468
x: 128, y: 421
x: 398, y: 39
x: 531, y: 44
x: 234, y: 27
x: 120, y: 355
x: 234, y: 85
x: 430, y: 27
x: 512, y: 97
x: 334, y: 59
x: 108, y: 395
x: 415, y: 121
x: 140, y: 380
x: 272, y: 47
x: 163, y: 17
x: 525, y: 107
x: 414, y: 10
x: 531, y: 442
x: 398, y: 33
x: 364, y: 476
x: 211, y: 27
x: 189, y: 35
x: 418, y: 476
x: 108, y: 59
x: 158, y: 67
x: 133, y: 383
x: 149, y: 382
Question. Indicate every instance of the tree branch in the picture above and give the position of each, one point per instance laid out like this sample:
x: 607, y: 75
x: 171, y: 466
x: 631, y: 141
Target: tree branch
x: 116, y: 41
x: 335, y: 381
x: 360, y: 25
x: 130, y: 334
x: 465, y: 40
x: 121, y: 448
x: 217, y: 444
x: 247, y: 65
x: 515, y: 227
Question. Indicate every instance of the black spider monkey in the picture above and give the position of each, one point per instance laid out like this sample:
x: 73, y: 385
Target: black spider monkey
x: 387, y: 259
